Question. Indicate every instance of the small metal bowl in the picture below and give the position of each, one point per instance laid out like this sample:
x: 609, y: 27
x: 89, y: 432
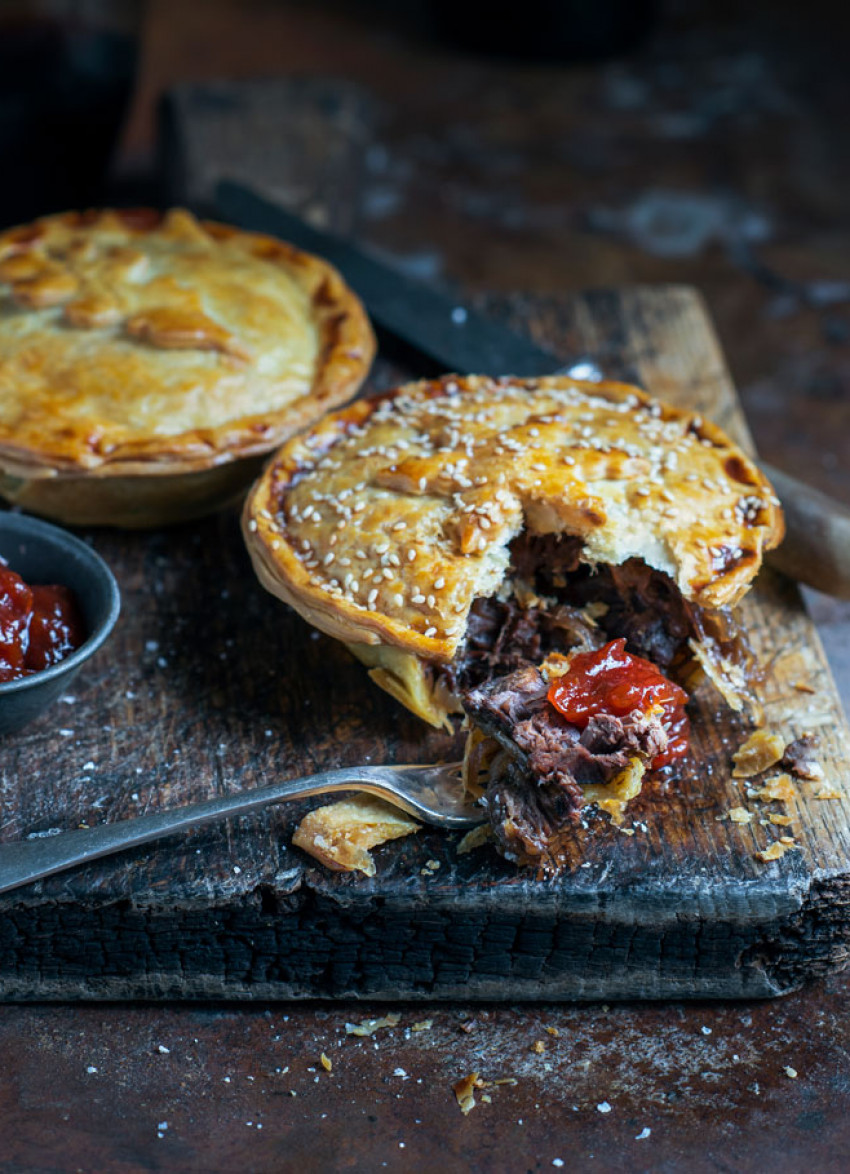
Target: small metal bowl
x: 41, y: 553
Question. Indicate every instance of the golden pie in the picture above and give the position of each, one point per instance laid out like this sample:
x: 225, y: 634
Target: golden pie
x: 557, y: 559
x: 149, y: 361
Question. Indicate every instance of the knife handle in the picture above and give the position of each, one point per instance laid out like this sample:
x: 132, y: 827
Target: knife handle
x: 816, y: 550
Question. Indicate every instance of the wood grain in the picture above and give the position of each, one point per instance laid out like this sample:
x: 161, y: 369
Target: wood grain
x: 210, y: 686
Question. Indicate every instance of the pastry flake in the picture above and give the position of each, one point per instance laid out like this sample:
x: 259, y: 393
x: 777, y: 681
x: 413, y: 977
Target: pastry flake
x: 341, y: 835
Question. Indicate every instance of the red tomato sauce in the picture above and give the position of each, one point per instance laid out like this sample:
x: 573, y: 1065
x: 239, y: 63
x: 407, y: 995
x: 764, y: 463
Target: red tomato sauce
x: 39, y: 626
x: 611, y: 680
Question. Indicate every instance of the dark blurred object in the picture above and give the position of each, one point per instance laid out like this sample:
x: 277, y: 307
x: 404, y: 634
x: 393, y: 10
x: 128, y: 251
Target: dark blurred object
x: 67, y: 69
x: 543, y: 30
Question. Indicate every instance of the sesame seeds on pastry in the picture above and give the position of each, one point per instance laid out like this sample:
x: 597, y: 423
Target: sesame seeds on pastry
x: 383, y: 523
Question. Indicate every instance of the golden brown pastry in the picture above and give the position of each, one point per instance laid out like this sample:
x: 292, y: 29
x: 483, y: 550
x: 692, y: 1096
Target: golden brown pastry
x: 384, y: 523
x: 147, y: 361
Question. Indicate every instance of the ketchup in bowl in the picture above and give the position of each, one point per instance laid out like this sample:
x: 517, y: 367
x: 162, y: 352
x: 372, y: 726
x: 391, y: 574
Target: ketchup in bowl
x: 39, y: 625
x: 611, y: 680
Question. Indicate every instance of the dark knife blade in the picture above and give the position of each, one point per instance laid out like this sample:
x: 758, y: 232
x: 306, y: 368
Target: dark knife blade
x: 457, y: 338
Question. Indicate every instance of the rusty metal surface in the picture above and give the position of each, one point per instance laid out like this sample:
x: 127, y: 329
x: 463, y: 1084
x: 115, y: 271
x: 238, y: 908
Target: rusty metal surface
x: 699, y: 1087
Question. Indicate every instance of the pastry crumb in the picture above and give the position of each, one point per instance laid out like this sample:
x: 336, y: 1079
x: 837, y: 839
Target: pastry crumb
x: 464, y: 1090
x: 740, y: 815
x: 758, y: 752
x: 370, y: 1026
x: 477, y: 838
x: 326, y: 1062
x: 777, y: 850
x: 779, y: 789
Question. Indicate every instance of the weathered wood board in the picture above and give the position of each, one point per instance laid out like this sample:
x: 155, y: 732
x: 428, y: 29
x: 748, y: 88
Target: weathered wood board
x: 209, y: 685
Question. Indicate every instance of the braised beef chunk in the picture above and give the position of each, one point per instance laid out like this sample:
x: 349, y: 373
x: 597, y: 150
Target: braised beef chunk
x: 800, y: 758
x: 514, y: 709
x: 544, y: 559
x: 528, y: 821
x: 501, y: 636
x: 647, y: 608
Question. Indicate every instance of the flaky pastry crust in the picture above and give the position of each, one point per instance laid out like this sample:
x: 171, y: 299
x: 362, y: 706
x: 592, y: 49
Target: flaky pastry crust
x: 384, y: 522
x: 139, y: 344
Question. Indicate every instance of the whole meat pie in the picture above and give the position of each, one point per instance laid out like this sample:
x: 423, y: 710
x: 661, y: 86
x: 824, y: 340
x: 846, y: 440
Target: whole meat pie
x: 148, y: 361
x: 557, y: 559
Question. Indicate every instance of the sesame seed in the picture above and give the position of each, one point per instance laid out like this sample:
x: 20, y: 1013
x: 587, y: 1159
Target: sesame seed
x: 252, y: 526
x: 431, y: 600
x: 418, y: 597
x: 399, y: 599
x: 372, y: 596
x: 439, y: 584
x: 430, y: 632
x: 387, y: 573
x: 411, y: 555
x: 423, y: 482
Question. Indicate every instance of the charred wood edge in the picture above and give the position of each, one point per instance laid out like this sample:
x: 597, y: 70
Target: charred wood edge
x: 811, y: 943
x: 291, y: 940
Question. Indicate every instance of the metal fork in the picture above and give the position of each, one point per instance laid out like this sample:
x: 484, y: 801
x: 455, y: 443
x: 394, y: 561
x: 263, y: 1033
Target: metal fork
x: 431, y: 793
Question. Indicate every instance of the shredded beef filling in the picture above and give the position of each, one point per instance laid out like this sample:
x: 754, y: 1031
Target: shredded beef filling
x: 548, y: 760
x: 502, y: 636
x: 528, y: 821
x: 535, y: 787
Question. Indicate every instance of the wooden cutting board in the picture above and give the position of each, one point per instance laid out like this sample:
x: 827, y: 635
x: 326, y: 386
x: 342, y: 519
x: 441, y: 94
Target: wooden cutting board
x: 209, y: 685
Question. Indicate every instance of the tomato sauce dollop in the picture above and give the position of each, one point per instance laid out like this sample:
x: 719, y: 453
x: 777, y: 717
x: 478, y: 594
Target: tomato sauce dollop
x: 611, y: 680
x: 39, y: 626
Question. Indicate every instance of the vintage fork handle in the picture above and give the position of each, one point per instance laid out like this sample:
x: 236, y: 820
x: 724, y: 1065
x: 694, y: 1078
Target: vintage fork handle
x: 26, y: 861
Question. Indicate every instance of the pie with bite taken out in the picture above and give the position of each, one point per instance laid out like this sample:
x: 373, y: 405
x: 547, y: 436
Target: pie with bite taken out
x: 149, y: 361
x: 556, y: 560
